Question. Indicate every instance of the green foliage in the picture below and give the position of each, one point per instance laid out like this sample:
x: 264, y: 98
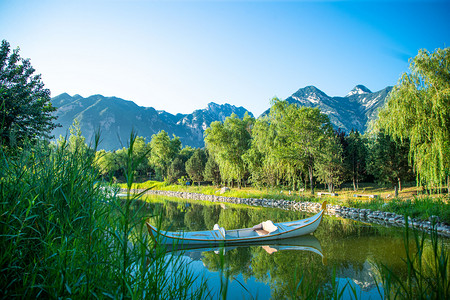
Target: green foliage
x: 329, y: 167
x: 296, y: 138
x: 195, y: 166
x: 418, y: 110
x: 164, y: 150
x: 25, y: 107
x: 228, y: 142
x: 355, y: 153
x: 388, y: 161
x: 176, y: 170
x: 212, y: 171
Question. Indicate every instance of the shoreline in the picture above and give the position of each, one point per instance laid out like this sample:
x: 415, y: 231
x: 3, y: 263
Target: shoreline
x: 387, y: 219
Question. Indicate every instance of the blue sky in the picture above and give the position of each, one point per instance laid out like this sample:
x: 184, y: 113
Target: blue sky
x: 180, y: 55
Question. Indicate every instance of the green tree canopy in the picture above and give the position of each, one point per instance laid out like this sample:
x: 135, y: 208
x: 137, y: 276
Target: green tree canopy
x: 212, y: 171
x: 25, y: 107
x: 163, y: 151
x: 228, y: 142
x: 418, y: 109
x: 195, y: 166
x: 328, y: 166
x: 388, y: 161
x: 354, y: 154
x: 302, y: 135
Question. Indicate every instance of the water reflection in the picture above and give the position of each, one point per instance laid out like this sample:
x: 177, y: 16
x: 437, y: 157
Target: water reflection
x: 289, y: 268
x: 303, y: 243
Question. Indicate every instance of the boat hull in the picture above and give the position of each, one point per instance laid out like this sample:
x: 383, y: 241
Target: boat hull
x: 215, y: 237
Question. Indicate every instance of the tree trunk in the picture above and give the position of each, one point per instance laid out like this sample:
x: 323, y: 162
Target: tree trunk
x: 396, y: 191
x: 448, y: 184
x: 311, y: 182
x: 399, y: 184
x: 354, y: 183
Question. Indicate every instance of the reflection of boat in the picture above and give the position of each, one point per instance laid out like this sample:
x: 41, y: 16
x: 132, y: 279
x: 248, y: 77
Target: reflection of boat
x: 266, y: 231
x: 301, y: 243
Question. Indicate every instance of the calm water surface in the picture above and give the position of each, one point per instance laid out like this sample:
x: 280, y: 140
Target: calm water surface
x: 351, y: 250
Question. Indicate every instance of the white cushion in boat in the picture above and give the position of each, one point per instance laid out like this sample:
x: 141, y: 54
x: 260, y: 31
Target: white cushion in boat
x: 269, y: 226
x: 221, y: 229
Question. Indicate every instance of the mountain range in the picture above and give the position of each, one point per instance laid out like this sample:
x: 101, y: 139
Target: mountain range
x: 354, y: 111
x: 116, y: 117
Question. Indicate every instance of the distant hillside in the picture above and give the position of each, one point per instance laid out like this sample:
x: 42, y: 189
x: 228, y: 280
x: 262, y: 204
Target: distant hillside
x: 116, y: 118
x: 354, y: 111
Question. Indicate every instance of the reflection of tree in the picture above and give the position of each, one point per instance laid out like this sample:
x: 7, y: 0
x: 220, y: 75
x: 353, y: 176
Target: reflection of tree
x: 286, y: 268
x: 281, y: 270
x: 236, y: 261
x: 172, y: 216
x: 211, y: 215
x: 194, y: 219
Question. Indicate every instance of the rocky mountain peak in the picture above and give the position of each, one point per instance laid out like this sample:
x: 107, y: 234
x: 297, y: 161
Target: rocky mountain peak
x: 359, y: 90
x: 309, y: 95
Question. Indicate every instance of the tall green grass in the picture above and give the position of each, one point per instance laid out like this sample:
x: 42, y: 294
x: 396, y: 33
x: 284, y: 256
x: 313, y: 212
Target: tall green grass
x: 62, y: 235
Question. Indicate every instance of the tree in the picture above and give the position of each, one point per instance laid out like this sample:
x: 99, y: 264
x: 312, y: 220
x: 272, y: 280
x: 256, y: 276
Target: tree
x: 328, y: 165
x: 228, y: 142
x: 355, y: 154
x: 163, y: 151
x: 141, y: 149
x: 301, y: 135
x: 418, y: 110
x: 388, y: 161
x: 212, y: 171
x: 195, y: 166
x: 176, y: 170
x: 106, y: 163
x: 76, y: 142
x: 25, y: 107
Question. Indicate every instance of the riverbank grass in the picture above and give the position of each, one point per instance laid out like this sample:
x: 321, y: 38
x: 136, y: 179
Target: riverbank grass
x: 408, y: 203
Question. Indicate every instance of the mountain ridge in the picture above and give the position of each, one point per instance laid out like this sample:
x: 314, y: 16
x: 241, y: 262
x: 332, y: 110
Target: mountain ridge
x: 351, y: 112
x: 116, y: 117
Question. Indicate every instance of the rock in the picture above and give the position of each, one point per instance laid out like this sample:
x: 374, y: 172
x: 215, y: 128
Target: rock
x: 224, y: 189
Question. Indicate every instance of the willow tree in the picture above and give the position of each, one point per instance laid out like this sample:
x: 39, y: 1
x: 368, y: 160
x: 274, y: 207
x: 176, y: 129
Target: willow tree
x: 265, y: 168
x: 329, y: 167
x: 228, y: 142
x: 302, y: 135
x: 418, y: 109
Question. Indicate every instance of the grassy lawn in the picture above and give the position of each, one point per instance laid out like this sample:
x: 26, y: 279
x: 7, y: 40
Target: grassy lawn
x: 411, y: 201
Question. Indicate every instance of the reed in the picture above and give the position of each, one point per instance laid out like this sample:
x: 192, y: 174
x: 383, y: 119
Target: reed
x: 64, y: 235
x: 427, y: 265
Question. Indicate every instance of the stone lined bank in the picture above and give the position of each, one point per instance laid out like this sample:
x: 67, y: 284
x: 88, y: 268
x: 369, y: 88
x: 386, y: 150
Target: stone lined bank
x: 364, y: 215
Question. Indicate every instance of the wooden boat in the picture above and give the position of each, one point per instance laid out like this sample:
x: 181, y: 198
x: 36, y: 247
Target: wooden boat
x: 266, y: 231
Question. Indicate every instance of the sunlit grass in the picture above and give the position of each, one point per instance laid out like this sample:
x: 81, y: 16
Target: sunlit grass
x: 416, y: 206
